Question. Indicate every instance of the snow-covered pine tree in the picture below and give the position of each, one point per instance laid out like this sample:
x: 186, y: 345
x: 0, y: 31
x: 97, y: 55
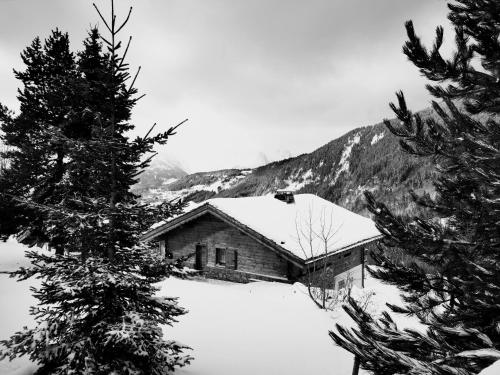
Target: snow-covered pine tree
x: 36, y: 160
x: 98, y: 311
x: 453, y: 285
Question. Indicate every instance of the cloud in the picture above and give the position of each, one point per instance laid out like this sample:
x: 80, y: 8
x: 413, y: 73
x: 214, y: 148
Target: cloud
x: 252, y: 76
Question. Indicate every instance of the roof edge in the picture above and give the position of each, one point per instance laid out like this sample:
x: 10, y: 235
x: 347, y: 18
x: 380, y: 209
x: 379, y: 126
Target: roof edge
x: 345, y: 248
x: 149, y: 235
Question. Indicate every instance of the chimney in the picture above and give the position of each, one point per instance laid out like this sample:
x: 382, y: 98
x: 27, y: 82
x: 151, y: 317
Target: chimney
x: 284, y: 195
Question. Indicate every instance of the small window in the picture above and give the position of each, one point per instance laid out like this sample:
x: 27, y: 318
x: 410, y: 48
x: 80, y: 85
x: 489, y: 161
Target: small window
x: 220, y: 257
x: 161, y: 248
x: 341, y: 285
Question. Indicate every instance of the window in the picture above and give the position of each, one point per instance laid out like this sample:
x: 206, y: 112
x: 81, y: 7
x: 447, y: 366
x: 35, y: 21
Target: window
x: 341, y: 285
x: 220, y: 257
x: 162, y: 248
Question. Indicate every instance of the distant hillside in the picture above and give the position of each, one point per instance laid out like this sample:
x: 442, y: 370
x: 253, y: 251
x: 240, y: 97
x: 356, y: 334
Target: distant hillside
x: 367, y: 158
x: 159, y: 174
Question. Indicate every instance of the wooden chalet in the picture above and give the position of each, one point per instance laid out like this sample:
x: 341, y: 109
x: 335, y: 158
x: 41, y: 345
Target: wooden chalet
x: 273, y: 238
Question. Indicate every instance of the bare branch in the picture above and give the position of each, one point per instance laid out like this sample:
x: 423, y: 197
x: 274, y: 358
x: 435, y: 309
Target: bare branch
x: 122, y: 59
x: 133, y: 81
x: 150, y: 130
x: 101, y: 16
x: 113, y: 17
x: 179, y: 124
x: 124, y: 22
x: 105, y: 40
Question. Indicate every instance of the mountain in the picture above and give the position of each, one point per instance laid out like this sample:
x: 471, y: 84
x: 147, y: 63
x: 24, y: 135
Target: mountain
x: 160, y: 173
x: 367, y: 158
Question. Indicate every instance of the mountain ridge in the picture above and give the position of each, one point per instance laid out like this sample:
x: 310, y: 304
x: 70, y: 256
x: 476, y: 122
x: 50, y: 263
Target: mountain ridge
x: 365, y: 158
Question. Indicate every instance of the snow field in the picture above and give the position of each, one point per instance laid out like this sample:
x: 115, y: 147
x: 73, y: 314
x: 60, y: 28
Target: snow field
x: 377, y: 137
x: 257, y: 328
x: 15, y: 300
x: 343, y: 165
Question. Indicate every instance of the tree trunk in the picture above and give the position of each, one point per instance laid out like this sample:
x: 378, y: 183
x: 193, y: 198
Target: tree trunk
x: 355, y: 367
x: 363, y: 260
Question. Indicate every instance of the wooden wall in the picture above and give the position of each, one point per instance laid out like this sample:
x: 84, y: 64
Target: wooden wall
x: 254, y: 259
x: 342, y: 265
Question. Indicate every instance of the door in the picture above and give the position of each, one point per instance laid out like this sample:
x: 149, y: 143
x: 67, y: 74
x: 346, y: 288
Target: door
x: 200, y: 257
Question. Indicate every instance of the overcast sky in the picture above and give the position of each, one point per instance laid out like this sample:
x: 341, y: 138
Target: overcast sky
x: 258, y: 79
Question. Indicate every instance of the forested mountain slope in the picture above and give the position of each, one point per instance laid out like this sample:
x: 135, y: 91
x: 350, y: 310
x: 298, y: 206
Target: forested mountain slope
x: 367, y: 158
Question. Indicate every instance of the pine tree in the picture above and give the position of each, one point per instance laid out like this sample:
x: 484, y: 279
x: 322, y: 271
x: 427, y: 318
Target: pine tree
x: 453, y: 284
x: 37, y: 161
x: 98, y: 312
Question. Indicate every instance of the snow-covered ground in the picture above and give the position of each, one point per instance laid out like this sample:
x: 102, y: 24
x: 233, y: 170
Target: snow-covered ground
x: 377, y: 137
x: 300, y: 179
x: 494, y: 369
x: 258, y: 328
x: 16, y: 300
x: 343, y: 165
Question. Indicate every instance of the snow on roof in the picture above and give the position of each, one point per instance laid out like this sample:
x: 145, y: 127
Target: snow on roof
x: 189, y: 207
x: 308, y: 228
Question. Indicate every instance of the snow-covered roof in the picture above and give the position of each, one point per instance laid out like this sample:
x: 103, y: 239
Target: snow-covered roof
x: 308, y: 228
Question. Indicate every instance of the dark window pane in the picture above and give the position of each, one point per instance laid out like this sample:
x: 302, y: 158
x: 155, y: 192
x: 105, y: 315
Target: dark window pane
x: 220, y: 256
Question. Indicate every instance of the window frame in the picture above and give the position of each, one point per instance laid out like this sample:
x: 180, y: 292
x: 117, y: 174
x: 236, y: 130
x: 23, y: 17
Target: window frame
x: 220, y: 256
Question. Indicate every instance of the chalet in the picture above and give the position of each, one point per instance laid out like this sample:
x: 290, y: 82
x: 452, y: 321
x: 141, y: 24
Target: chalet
x: 277, y: 238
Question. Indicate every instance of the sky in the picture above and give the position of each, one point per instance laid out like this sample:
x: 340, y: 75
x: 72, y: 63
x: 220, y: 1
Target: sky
x: 259, y: 80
